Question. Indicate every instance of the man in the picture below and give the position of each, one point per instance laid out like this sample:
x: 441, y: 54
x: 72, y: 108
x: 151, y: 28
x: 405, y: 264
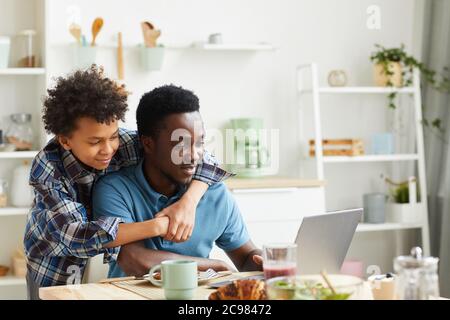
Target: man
x: 83, y: 111
x: 138, y: 193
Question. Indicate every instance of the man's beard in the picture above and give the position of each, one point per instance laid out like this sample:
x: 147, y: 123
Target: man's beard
x: 174, y: 181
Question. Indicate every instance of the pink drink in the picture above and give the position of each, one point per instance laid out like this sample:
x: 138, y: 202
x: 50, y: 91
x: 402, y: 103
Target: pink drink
x: 279, y: 270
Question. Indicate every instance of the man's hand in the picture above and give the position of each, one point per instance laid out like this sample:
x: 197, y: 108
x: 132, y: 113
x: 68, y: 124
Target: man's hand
x: 216, y: 264
x: 258, y: 260
x: 181, y: 216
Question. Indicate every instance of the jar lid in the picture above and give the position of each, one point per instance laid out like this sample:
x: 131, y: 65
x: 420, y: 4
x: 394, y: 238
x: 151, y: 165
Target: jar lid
x: 415, y: 260
x: 21, y: 117
x: 28, y: 32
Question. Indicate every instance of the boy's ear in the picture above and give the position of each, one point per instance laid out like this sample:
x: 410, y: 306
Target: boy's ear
x: 148, y: 143
x: 64, y: 142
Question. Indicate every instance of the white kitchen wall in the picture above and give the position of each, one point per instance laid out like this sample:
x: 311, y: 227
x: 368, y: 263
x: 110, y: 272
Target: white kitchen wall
x: 237, y: 84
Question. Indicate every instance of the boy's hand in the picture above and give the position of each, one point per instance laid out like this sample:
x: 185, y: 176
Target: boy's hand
x: 163, y: 225
x: 181, y: 216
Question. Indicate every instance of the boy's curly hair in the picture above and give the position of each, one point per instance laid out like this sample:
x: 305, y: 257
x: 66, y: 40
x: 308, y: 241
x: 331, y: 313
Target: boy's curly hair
x: 84, y: 93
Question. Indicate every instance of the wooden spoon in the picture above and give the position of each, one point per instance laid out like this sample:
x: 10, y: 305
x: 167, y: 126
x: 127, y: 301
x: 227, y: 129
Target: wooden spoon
x: 96, y: 27
x: 75, y: 31
x: 146, y: 27
x: 120, y: 70
x: 150, y: 34
x: 150, y: 26
x: 154, y: 35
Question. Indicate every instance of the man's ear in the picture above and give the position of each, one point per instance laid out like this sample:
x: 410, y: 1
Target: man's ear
x: 148, y: 143
x: 64, y: 142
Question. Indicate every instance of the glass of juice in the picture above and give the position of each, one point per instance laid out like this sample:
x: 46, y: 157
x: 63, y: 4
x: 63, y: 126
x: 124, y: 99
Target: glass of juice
x: 280, y: 259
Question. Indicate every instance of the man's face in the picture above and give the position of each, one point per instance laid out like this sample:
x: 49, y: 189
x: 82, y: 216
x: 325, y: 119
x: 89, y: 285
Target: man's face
x: 93, y: 143
x: 178, y: 159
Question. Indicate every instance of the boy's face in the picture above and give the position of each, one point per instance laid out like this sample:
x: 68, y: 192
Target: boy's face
x: 93, y: 143
x: 177, y: 160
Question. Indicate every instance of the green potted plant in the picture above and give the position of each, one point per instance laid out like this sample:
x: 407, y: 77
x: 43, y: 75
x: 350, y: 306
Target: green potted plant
x: 393, y: 67
x: 402, y: 208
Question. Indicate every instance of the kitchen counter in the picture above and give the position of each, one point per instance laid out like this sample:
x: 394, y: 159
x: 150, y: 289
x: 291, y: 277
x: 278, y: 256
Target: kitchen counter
x: 271, y: 182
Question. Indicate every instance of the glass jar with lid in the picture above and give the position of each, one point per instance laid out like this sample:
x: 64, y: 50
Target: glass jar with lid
x: 417, y: 276
x: 20, y: 134
x: 27, y: 46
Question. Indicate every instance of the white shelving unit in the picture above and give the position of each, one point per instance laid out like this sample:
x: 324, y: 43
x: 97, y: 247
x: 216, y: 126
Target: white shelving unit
x: 8, y: 281
x: 368, y: 90
x: 235, y: 47
x: 13, y: 211
x: 173, y: 46
x: 18, y: 155
x: 372, y: 158
x: 22, y: 71
x: 315, y: 90
x: 368, y: 227
x: 21, y: 90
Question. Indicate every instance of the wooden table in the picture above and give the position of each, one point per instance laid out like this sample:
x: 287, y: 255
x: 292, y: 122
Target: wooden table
x: 110, y: 291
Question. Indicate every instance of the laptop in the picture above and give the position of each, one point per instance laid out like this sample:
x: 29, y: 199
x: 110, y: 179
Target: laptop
x: 323, y: 240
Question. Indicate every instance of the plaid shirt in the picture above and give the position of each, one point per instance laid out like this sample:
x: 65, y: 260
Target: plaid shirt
x: 60, y: 235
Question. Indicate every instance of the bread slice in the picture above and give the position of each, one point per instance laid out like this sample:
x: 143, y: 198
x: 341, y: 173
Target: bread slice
x: 249, y: 289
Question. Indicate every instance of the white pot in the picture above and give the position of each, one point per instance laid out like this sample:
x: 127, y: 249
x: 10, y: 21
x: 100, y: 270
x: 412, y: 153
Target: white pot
x: 404, y: 212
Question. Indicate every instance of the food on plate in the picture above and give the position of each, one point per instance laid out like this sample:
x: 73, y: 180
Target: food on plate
x: 248, y: 289
x: 306, y: 290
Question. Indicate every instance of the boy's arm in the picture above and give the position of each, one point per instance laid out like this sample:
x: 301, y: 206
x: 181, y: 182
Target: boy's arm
x: 66, y: 224
x: 131, y: 232
x: 108, y: 201
x: 182, y: 213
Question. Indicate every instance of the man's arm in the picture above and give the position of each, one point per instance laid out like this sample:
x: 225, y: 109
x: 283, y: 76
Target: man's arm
x: 247, y: 257
x: 136, y: 260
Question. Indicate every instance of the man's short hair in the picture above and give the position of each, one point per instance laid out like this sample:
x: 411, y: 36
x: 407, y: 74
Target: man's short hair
x: 161, y: 102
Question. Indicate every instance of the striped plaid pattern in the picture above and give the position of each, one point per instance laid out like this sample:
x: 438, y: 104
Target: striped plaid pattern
x: 60, y: 235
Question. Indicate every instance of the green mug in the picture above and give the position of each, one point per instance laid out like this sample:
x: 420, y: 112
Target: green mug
x: 178, y: 278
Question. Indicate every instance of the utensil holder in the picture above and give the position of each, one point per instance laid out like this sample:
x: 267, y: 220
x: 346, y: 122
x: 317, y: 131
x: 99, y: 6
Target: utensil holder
x: 152, y: 58
x: 374, y: 207
x: 84, y: 56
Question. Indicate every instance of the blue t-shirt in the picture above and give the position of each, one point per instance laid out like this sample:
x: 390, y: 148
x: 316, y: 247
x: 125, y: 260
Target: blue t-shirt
x: 127, y: 194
